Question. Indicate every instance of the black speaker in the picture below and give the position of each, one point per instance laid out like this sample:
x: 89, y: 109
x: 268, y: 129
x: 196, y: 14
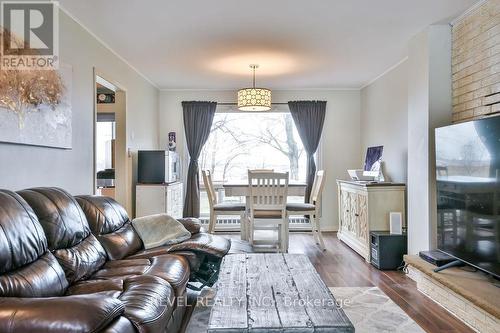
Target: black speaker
x: 387, y: 249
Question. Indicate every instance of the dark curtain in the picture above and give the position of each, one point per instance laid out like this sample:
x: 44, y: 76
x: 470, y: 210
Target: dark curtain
x: 309, y: 117
x: 198, y: 118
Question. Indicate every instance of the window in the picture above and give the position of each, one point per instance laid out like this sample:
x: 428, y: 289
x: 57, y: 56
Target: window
x: 240, y: 141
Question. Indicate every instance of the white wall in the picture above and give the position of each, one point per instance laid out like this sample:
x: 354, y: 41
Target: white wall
x: 400, y: 110
x: 27, y: 166
x: 429, y: 106
x: 384, y: 120
x: 340, y: 143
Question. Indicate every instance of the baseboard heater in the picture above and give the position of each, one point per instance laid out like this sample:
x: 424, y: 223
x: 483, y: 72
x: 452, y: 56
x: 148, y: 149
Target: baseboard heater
x: 233, y: 223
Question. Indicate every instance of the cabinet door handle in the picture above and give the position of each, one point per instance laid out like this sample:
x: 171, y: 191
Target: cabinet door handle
x: 356, y: 214
x: 347, y: 210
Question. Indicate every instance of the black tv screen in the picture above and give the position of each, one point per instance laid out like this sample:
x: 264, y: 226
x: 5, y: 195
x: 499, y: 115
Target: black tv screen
x: 468, y: 192
x: 151, y: 166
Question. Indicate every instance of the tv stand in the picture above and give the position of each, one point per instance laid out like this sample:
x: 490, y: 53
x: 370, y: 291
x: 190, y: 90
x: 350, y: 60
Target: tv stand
x: 470, y: 296
x: 454, y: 263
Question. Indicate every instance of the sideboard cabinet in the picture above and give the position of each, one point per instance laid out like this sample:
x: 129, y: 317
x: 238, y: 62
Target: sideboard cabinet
x: 365, y: 207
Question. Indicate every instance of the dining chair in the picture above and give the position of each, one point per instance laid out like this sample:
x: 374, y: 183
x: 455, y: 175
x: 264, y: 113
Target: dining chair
x: 219, y: 208
x: 312, y: 208
x: 267, y: 209
x: 261, y: 170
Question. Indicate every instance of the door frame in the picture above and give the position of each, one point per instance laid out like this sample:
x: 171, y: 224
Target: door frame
x: 127, y: 167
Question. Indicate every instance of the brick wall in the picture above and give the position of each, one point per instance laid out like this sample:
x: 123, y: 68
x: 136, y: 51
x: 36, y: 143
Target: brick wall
x: 476, y: 63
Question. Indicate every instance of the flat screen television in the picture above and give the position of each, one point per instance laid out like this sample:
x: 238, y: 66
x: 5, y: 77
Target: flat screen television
x: 468, y: 192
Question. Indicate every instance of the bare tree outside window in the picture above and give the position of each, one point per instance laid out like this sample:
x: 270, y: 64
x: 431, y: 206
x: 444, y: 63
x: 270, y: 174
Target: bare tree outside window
x: 224, y: 145
x: 279, y: 134
x: 242, y: 141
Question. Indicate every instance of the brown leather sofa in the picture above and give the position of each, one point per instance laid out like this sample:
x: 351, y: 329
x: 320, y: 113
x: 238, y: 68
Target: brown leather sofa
x: 151, y: 290
x: 33, y: 284
x: 111, y: 225
x: 58, y: 273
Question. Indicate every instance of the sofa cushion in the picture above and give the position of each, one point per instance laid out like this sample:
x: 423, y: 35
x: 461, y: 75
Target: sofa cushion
x: 149, y: 300
x: 120, y: 325
x: 147, y: 254
x: 84, y: 313
x: 214, y: 245
x: 43, y: 277
x: 67, y: 231
x: 194, y: 259
x: 21, y: 236
x: 59, y: 214
x: 172, y: 268
x: 27, y: 269
x: 110, y: 223
x: 194, y: 249
x: 82, y: 260
x: 121, y: 243
x: 192, y: 224
x: 112, y: 287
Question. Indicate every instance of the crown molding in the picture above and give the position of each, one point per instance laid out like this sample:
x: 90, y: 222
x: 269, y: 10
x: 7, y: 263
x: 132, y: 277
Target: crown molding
x: 473, y: 8
x: 383, y: 73
x: 272, y: 89
x: 103, y: 43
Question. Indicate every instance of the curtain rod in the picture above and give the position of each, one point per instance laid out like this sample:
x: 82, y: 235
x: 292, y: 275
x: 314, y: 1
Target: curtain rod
x: 237, y: 103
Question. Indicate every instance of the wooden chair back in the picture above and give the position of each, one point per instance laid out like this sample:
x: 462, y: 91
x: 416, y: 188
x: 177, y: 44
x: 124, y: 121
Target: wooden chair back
x: 261, y: 170
x: 209, y: 187
x: 317, y: 187
x: 268, y: 191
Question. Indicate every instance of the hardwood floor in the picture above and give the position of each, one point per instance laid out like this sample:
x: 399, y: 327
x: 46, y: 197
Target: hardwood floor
x: 339, y: 266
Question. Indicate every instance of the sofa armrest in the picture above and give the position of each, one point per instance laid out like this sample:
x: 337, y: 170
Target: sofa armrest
x: 192, y: 224
x: 81, y: 313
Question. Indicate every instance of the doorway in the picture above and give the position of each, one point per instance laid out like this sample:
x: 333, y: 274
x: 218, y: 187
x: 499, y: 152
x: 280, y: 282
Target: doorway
x: 112, y: 163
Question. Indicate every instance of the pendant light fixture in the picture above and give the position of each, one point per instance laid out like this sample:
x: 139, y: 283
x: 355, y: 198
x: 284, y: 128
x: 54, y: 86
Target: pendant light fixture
x: 254, y: 99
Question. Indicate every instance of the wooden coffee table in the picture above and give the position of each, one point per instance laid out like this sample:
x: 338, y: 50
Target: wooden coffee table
x: 274, y: 293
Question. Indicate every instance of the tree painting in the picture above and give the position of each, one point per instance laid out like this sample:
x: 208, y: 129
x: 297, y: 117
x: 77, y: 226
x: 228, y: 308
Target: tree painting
x: 25, y: 91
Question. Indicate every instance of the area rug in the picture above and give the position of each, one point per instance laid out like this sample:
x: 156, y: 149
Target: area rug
x: 368, y: 308
x: 372, y: 311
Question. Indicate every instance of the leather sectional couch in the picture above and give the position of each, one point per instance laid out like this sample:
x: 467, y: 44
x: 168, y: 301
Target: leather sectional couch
x: 76, y: 265
x: 111, y: 225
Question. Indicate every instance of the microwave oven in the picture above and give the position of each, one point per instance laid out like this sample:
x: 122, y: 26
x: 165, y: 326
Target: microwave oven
x: 157, y: 167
